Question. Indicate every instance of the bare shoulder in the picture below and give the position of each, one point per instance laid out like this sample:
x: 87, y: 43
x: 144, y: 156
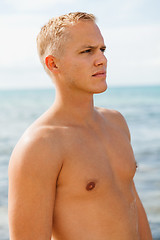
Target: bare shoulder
x: 115, y: 118
x: 38, y: 149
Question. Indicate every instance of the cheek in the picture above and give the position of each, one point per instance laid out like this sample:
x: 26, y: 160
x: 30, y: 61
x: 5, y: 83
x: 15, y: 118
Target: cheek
x: 82, y: 67
x: 74, y: 68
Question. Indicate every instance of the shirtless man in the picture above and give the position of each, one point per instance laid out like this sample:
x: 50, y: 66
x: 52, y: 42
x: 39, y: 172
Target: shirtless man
x: 71, y: 173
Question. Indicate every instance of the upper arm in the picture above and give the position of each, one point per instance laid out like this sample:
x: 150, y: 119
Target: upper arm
x: 143, y: 224
x: 33, y: 171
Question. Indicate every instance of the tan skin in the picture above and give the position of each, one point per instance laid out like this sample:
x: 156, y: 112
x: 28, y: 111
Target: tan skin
x: 71, y: 173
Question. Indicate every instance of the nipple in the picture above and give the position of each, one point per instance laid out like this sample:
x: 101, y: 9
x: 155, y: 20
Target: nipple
x: 90, y: 186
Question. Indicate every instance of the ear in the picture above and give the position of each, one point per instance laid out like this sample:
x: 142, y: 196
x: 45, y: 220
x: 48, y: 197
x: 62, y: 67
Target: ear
x: 50, y: 62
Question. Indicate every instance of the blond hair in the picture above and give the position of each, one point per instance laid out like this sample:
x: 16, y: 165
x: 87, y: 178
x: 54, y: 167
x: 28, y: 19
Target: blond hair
x: 53, y: 34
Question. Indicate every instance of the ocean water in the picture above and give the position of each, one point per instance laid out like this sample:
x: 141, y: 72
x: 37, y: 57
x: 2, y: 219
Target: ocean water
x: 139, y: 105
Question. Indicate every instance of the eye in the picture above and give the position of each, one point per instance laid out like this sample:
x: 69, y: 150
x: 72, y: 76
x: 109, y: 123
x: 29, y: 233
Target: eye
x: 86, y: 51
x: 103, y: 49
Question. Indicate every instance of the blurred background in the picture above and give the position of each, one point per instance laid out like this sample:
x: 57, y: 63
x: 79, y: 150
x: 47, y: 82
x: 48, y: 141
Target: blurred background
x: 131, y: 30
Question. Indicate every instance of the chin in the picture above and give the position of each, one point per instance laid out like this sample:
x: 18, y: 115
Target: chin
x: 101, y: 89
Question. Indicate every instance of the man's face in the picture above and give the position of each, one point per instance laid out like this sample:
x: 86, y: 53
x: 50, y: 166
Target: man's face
x: 83, y: 65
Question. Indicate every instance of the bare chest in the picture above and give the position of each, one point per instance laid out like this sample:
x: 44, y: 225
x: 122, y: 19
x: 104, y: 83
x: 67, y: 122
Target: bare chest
x: 97, y: 163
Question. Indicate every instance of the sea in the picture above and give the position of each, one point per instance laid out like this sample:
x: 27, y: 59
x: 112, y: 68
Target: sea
x: 139, y: 105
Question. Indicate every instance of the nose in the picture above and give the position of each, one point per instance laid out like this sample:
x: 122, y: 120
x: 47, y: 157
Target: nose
x: 100, y: 59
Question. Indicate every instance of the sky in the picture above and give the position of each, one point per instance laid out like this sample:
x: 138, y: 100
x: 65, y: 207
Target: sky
x: 131, y: 30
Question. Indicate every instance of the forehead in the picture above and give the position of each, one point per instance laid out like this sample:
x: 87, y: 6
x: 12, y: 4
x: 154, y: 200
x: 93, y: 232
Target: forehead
x: 85, y: 33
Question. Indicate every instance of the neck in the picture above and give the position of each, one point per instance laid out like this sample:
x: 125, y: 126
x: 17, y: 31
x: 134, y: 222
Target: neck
x: 75, y: 107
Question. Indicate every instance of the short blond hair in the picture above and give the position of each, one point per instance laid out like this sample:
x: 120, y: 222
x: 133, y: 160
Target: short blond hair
x: 53, y: 34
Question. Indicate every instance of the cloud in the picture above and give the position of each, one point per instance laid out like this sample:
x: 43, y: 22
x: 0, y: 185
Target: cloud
x: 18, y: 40
x: 134, y: 44
x: 133, y: 54
x: 133, y: 48
x: 34, y: 5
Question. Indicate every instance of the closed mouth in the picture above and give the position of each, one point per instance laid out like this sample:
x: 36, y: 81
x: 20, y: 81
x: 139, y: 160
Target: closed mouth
x: 100, y: 73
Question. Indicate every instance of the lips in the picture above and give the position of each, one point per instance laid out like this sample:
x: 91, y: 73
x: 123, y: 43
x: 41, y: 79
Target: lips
x: 99, y: 74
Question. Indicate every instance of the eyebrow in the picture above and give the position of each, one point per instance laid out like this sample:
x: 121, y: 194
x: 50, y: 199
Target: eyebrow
x: 92, y: 47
